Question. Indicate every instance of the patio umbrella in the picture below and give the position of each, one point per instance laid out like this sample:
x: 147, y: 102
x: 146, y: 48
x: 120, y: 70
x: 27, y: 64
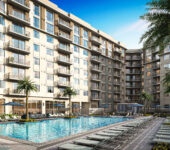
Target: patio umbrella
x: 58, y: 105
x: 137, y: 105
x: 13, y: 104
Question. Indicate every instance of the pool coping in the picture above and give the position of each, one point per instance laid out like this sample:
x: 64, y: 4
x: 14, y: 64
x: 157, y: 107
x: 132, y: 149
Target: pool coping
x: 63, y: 139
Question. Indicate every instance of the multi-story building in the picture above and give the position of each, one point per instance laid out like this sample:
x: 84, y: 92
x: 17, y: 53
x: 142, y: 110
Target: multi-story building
x: 155, y: 67
x: 134, y: 75
x: 57, y: 50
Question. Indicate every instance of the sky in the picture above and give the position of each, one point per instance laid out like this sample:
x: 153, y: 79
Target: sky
x: 118, y: 18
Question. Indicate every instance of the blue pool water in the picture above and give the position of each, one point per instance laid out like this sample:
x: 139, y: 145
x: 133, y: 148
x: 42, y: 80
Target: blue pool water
x: 52, y: 129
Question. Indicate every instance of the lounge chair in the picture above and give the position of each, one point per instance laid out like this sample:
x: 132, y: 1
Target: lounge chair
x: 107, y: 134
x: 98, y: 137
x: 7, y: 118
x: 74, y: 147
x: 161, y: 136
x: 87, y: 142
x: 159, y: 140
x: 2, y: 119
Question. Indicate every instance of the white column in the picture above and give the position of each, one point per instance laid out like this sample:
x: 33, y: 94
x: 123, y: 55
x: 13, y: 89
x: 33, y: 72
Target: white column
x: 43, y: 107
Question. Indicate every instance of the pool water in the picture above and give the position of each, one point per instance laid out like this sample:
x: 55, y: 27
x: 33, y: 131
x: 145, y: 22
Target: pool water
x: 47, y: 130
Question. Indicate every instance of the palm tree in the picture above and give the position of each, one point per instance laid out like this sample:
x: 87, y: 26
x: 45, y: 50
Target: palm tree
x: 146, y: 98
x: 166, y: 83
x: 26, y: 85
x: 69, y: 92
x: 158, y: 33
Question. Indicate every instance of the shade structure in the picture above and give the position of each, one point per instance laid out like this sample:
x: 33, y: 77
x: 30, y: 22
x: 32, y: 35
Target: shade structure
x: 76, y: 106
x: 104, y: 106
x: 58, y: 105
x: 156, y: 106
x: 13, y: 104
x: 136, y: 105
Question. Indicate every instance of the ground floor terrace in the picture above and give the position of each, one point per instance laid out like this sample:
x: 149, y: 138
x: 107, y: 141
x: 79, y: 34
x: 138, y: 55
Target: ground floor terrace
x: 49, y: 106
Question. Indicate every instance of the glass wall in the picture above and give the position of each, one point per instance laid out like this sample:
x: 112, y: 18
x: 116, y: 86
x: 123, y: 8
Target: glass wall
x: 50, y: 109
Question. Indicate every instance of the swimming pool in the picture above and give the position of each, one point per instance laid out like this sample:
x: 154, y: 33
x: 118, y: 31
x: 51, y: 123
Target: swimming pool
x: 47, y: 130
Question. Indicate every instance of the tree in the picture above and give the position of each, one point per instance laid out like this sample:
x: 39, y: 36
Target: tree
x: 166, y: 82
x: 26, y: 85
x: 158, y: 33
x: 146, y: 98
x: 69, y: 92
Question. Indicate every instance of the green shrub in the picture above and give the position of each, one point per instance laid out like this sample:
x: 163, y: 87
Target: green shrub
x: 147, y: 114
x: 161, y: 146
x: 27, y: 120
x: 70, y: 117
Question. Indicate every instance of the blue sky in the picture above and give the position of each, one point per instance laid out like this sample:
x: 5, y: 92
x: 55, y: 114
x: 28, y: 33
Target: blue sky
x: 118, y: 18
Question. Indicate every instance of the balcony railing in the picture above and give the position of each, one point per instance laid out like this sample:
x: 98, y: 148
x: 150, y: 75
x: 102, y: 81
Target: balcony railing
x: 64, y: 25
x: 10, y: 76
x: 64, y: 37
x: 95, y: 97
x: 17, y: 47
x: 93, y: 87
x: 19, y: 17
x: 60, y: 96
x: 63, y: 72
x: 19, y: 33
x: 64, y: 49
x: 20, y: 4
x: 117, y: 50
x: 62, y: 83
x: 96, y: 59
x: 95, y: 78
x: 96, y: 49
x: 95, y: 68
x: 64, y: 60
x: 14, y: 92
x: 18, y: 63
x: 95, y: 40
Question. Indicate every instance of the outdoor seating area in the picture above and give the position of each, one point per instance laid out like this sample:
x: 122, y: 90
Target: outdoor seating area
x: 10, y: 117
x: 111, y: 138
x: 163, y: 134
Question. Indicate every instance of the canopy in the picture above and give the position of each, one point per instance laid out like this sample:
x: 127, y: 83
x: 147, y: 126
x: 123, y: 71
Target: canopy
x: 104, y: 106
x: 76, y: 106
x: 156, y: 106
x: 58, y: 105
x: 137, y: 105
x: 13, y: 104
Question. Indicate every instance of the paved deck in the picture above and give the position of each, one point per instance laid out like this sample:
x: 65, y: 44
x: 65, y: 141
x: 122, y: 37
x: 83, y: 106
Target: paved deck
x: 143, y: 141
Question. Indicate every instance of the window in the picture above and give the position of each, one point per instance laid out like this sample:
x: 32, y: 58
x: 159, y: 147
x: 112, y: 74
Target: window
x: 2, y: 6
x: 36, y: 48
x: 77, y: 91
x: 2, y: 84
x: 76, y: 39
x: 85, y: 52
x: 50, y: 77
x: 76, y: 60
x: 50, y: 64
x: 38, y: 87
x: 2, y: 52
x: 50, y: 52
x: 85, y: 43
x: 49, y: 16
x: 50, y: 89
x: 50, y: 39
x: 85, y: 93
x: 167, y: 66
x: 2, y: 36
x: 36, y: 61
x: 18, y: 44
x: 76, y: 30
x: 85, y: 62
x: 49, y: 28
x: 76, y: 81
x: 36, y: 34
x: 2, y: 68
x: 85, y: 34
x: 2, y: 21
x: 76, y: 70
x: 85, y: 82
x: 167, y: 57
x: 36, y: 22
x: 76, y: 49
x: 36, y: 74
x: 85, y: 73
x: 36, y: 10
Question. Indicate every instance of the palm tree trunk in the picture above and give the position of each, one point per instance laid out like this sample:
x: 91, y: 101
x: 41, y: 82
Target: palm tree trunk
x: 70, y: 110
x: 27, y: 115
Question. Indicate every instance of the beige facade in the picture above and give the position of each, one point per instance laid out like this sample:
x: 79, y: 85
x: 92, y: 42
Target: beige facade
x: 57, y: 50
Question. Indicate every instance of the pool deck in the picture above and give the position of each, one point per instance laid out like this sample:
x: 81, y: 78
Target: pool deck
x: 7, y: 143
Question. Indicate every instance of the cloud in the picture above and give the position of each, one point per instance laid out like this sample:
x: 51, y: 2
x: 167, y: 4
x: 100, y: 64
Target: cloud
x: 130, y: 34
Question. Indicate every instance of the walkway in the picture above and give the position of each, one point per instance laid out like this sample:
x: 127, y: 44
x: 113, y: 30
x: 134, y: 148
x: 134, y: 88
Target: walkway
x: 142, y: 142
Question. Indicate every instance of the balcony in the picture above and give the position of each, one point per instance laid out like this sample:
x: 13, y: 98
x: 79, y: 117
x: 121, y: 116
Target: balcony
x: 117, y: 91
x: 64, y: 37
x: 21, y: 4
x: 63, y: 60
x: 134, y: 80
x: 11, y: 46
x: 117, y: 59
x: 95, y: 98
x: 19, y: 18
x: 19, y: 34
x: 95, y: 69
x: 137, y: 72
x: 155, y: 82
x: 155, y: 75
x: 116, y: 83
x: 63, y: 72
x: 95, y: 78
x: 155, y: 67
x: 116, y: 66
x: 95, y: 88
x: 116, y: 50
x: 60, y: 96
x: 62, y: 84
x: 13, y: 77
x: 17, y: 63
x: 62, y: 24
x: 96, y: 50
x: 14, y: 92
x: 95, y: 59
x: 95, y: 40
x: 64, y: 49
x: 155, y: 59
x: 116, y: 75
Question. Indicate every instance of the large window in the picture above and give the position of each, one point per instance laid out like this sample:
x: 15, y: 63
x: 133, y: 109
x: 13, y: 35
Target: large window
x: 36, y: 22
x: 2, y: 84
x: 50, y: 39
x: 76, y: 49
x: 18, y: 29
x: 76, y: 81
x: 49, y: 28
x: 36, y: 61
x: 50, y: 52
x: 2, y: 21
x: 50, y: 77
x: 76, y: 39
x: 85, y: 52
x: 36, y: 48
x: 36, y: 74
x: 2, y: 52
x: 50, y: 89
x: 18, y: 58
x: 49, y: 16
x: 2, y: 36
x: 50, y: 64
x: 85, y: 39
x: 36, y: 34
x: 18, y: 44
x: 2, y: 6
x: 76, y: 34
x: 19, y: 14
x: 36, y: 10
x: 76, y: 60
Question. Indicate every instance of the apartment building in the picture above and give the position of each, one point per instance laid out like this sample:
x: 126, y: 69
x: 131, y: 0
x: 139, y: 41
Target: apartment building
x: 134, y: 75
x: 155, y: 67
x: 57, y: 50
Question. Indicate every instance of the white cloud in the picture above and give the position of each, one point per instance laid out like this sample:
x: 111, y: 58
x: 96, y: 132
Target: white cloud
x: 130, y: 34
